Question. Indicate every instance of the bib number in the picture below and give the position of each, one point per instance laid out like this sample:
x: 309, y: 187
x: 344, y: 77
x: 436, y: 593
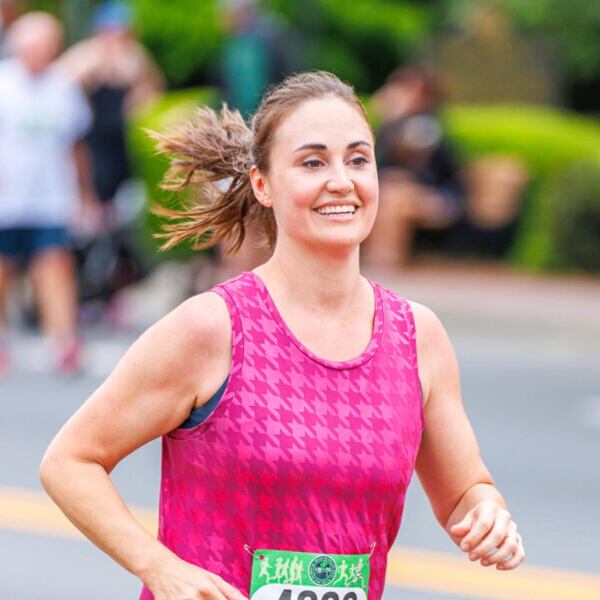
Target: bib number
x: 310, y: 595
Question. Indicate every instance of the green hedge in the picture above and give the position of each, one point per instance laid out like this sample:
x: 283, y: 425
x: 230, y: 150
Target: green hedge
x: 184, y: 36
x: 545, y: 138
x: 361, y: 41
x: 573, y: 214
x: 552, y: 143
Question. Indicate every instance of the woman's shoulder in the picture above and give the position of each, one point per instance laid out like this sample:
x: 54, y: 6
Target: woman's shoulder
x: 434, y: 348
x: 425, y: 319
x: 435, y: 354
x: 198, y: 327
x: 429, y: 330
x: 202, y: 315
x: 429, y: 327
x: 424, y: 315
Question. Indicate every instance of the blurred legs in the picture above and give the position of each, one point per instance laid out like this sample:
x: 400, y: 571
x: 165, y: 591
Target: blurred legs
x: 390, y: 240
x: 404, y: 205
x: 53, y: 275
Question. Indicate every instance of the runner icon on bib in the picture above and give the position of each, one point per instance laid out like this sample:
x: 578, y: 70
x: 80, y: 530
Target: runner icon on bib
x: 284, y: 575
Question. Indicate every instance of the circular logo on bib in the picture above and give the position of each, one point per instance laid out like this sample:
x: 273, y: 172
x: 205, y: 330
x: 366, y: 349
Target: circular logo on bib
x: 322, y: 570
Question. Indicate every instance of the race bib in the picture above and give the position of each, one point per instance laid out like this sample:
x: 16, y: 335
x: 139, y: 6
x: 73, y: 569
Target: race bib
x: 283, y: 575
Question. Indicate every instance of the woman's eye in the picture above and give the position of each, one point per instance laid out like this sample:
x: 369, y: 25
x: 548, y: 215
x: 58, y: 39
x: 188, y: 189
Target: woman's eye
x: 358, y: 161
x: 312, y: 164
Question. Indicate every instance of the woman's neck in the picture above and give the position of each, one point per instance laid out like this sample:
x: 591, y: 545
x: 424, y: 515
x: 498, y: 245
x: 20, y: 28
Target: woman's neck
x: 326, y: 282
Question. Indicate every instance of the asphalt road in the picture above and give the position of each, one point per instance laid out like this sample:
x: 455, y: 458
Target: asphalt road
x: 531, y: 390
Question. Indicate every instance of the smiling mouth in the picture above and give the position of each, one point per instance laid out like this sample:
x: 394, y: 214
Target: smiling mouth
x: 344, y: 209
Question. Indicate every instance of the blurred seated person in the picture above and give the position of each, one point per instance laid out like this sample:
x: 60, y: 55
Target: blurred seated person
x: 495, y: 185
x: 118, y: 75
x: 421, y: 196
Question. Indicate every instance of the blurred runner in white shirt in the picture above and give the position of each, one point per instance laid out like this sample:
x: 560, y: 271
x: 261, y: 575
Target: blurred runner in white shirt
x: 42, y: 116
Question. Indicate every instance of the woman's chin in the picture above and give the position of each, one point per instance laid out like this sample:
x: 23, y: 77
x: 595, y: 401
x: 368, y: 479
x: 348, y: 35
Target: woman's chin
x: 342, y: 244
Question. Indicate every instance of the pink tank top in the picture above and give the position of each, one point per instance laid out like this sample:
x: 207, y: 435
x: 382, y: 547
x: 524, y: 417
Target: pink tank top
x: 301, y: 453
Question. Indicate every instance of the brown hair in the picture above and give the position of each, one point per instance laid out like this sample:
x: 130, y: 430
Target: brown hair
x: 212, y: 156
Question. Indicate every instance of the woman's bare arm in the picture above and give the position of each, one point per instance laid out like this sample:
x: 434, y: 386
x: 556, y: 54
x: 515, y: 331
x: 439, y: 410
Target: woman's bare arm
x: 450, y: 468
x: 170, y: 369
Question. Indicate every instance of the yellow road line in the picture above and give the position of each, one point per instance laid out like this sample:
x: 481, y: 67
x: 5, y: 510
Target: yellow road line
x: 410, y: 568
x: 34, y: 512
x: 436, y: 572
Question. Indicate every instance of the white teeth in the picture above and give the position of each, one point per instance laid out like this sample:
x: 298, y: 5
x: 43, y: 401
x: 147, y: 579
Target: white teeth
x: 337, y: 210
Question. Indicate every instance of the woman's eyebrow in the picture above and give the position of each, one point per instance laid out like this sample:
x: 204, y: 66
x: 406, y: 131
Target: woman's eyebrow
x: 324, y: 147
x: 359, y: 143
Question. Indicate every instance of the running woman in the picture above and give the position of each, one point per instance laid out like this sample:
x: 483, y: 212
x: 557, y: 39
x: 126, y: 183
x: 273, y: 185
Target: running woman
x: 294, y: 401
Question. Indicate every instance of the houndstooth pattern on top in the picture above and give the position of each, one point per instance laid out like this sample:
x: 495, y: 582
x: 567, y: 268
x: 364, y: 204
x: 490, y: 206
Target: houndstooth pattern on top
x: 301, y: 453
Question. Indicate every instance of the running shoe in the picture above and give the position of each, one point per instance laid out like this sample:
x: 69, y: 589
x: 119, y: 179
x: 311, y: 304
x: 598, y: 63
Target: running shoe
x: 68, y: 356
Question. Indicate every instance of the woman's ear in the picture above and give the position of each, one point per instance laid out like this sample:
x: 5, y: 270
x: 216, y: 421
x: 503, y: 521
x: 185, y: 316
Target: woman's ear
x: 260, y: 186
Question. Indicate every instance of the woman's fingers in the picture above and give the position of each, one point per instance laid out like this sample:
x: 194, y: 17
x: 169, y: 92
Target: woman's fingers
x: 489, y: 534
x: 505, y: 550
x: 463, y: 527
x: 199, y: 590
x: 190, y: 581
x: 483, y: 521
x: 210, y: 591
x: 230, y: 592
x: 513, y: 563
x: 502, y: 528
x: 516, y: 560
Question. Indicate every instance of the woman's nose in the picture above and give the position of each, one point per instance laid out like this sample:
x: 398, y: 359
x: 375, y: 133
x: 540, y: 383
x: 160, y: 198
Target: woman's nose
x: 339, y: 182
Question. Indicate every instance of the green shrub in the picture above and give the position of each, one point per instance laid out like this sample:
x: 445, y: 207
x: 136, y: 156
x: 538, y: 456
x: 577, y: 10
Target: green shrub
x: 545, y: 138
x: 572, y: 219
x: 550, y: 142
x: 362, y: 40
x: 184, y: 36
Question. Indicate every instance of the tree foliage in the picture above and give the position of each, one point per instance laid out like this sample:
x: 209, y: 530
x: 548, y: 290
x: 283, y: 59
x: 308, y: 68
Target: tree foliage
x: 183, y: 35
x: 362, y: 41
x: 573, y: 25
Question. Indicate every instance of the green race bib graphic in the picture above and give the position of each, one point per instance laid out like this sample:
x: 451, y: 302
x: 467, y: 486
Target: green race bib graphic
x: 284, y: 575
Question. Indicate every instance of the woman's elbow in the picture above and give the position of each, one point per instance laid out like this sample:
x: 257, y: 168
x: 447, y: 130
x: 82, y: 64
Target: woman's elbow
x: 54, y: 467
x: 49, y: 471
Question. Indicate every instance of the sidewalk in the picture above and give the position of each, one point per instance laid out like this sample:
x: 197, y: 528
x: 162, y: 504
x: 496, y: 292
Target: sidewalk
x: 481, y: 302
x: 487, y: 292
x: 473, y: 292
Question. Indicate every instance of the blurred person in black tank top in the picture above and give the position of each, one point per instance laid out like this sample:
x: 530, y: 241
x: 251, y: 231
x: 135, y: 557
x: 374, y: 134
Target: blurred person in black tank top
x: 118, y: 75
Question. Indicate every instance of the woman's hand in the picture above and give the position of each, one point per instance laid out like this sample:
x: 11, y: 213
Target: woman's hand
x: 488, y: 533
x: 180, y: 580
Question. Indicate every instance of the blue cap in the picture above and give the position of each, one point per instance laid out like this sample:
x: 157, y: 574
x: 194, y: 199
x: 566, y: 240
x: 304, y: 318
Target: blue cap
x: 112, y: 14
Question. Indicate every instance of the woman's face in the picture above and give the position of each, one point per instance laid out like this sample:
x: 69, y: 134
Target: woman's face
x: 322, y: 182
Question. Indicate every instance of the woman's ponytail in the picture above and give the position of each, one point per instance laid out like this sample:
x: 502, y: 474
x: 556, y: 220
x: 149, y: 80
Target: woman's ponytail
x: 212, y: 156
